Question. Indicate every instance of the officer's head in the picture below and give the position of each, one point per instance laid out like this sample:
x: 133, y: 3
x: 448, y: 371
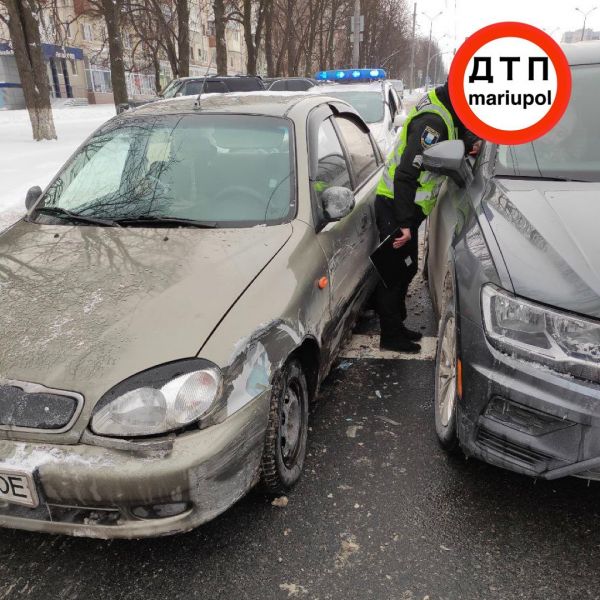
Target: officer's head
x: 443, y: 94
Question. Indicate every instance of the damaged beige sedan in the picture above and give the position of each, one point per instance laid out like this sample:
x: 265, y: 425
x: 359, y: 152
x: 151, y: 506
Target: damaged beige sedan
x: 170, y: 305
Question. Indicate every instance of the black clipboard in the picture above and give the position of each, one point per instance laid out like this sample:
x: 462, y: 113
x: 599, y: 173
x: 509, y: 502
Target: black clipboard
x: 388, y: 261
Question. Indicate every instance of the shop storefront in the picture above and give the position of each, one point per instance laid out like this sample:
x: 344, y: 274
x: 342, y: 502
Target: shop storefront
x: 65, y: 68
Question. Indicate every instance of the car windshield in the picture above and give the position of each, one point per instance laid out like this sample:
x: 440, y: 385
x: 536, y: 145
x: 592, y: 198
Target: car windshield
x: 228, y: 170
x: 368, y: 104
x: 571, y: 149
x: 171, y: 89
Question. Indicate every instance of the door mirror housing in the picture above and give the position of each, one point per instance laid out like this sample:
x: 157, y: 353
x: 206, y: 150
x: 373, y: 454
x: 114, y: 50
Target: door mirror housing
x: 33, y: 195
x: 399, y: 120
x: 338, y: 202
x: 448, y: 158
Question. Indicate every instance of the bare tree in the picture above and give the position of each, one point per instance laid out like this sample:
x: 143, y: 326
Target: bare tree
x: 252, y: 18
x: 20, y: 18
x: 112, y: 11
x: 220, y: 32
x: 183, y: 37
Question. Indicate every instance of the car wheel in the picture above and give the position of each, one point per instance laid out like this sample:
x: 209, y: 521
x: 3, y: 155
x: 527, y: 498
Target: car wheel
x: 446, y: 396
x: 285, y: 443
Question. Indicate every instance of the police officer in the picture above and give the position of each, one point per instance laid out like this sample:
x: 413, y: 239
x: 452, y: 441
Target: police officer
x: 406, y: 194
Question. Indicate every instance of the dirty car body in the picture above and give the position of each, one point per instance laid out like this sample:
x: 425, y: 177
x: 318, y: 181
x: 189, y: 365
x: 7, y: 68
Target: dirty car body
x: 148, y: 313
x: 513, y: 262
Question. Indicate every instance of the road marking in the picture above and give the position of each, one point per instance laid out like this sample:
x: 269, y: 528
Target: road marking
x: 367, y: 346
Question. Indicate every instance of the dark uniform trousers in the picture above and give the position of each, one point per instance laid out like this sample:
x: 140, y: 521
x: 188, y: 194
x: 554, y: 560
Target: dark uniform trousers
x: 390, y: 303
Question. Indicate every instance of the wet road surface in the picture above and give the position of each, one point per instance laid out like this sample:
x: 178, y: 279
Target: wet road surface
x: 381, y: 513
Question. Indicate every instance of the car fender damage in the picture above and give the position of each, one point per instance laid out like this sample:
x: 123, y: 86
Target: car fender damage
x: 255, y: 360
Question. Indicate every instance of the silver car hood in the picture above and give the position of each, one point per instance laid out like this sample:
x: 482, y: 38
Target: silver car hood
x: 548, y: 235
x: 85, y: 307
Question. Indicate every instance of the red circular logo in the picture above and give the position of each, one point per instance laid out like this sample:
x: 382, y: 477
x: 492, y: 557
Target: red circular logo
x: 524, y: 89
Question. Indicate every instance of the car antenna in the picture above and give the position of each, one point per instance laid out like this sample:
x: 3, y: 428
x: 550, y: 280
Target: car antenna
x: 197, y: 104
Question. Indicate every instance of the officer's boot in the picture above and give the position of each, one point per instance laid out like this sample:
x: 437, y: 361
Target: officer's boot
x: 393, y: 338
x: 413, y: 336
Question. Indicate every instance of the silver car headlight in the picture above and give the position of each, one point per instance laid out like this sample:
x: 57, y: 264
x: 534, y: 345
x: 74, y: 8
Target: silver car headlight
x: 563, y: 342
x: 159, y: 400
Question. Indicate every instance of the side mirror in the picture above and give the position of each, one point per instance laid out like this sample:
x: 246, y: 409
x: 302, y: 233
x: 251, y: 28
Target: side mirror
x: 399, y: 120
x: 33, y: 195
x: 448, y: 158
x: 178, y: 94
x: 338, y: 202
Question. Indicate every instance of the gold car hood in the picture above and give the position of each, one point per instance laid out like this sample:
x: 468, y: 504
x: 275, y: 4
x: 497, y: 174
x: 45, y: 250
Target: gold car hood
x: 82, y: 308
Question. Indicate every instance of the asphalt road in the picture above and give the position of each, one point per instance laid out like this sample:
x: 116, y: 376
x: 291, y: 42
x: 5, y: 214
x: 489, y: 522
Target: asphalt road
x: 381, y: 512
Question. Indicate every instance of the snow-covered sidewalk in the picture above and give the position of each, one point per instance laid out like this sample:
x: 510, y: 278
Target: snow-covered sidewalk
x: 25, y: 163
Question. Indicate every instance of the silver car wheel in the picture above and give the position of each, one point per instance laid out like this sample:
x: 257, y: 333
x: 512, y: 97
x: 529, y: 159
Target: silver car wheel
x: 446, y: 397
x: 291, y: 424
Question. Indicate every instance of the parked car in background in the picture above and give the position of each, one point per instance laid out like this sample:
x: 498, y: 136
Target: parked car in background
x: 170, y: 305
x: 513, y: 262
x: 291, y: 84
x: 376, y: 101
x: 214, y: 84
x: 192, y: 86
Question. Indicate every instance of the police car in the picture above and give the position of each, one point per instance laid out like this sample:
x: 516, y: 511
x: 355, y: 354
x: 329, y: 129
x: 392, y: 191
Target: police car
x: 372, y: 95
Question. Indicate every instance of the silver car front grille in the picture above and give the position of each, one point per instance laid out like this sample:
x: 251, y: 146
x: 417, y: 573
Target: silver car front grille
x: 33, y: 407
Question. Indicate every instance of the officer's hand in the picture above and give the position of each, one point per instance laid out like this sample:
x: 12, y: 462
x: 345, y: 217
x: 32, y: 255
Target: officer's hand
x: 403, y: 239
x: 476, y: 148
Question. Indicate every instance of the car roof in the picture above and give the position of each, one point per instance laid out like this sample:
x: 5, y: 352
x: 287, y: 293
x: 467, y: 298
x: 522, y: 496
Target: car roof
x: 276, y: 104
x: 209, y: 76
x: 582, y: 53
x: 371, y: 86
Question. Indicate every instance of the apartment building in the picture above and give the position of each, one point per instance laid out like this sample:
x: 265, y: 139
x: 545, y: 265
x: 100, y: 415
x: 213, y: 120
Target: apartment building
x: 75, y: 46
x: 579, y: 35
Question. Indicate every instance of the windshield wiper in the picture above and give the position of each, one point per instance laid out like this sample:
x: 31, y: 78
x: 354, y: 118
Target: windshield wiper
x: 158, y: 220
x: 56, y: 211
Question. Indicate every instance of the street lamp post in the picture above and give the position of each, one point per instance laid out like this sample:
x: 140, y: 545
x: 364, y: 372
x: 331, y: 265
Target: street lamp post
x: 585, y: 16
x: 431, y: 20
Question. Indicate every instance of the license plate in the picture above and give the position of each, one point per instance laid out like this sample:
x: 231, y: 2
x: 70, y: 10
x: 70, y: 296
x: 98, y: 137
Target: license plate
x: 17, y: 487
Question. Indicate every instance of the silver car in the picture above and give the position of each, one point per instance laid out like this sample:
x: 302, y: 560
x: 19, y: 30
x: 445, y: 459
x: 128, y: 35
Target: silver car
x: 170, y: 305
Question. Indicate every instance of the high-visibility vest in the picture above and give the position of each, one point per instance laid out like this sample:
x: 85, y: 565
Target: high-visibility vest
x: 429, y: 183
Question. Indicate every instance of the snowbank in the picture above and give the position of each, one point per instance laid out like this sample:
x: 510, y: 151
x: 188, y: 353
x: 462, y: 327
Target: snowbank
x: 25, y: 163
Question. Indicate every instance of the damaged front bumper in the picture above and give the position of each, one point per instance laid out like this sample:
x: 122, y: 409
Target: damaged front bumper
x: 525, y: 417
x: 116, y: 492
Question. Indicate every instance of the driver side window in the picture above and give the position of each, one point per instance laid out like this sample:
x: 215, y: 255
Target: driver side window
x: 332, y: 169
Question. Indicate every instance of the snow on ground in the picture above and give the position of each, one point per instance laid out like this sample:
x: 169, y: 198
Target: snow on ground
x: 25, y: 162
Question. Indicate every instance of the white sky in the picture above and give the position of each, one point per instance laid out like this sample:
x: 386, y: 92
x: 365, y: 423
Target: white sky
x: 463, y: 17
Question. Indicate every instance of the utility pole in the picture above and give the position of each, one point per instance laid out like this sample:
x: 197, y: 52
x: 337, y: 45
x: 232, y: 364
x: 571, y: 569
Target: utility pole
x: 356, y: 48
x: 431, y: 20
x: 412, y: 51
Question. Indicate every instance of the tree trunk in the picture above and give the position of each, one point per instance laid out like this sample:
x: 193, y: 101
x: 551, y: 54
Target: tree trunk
x: 248, y: 38
x: 25, y: 36
x: 112, y: 17
x: 289, y: 26
x: 156, y: 65
x: 269, y: 38
x: 221, y: 42
x: 183, y: 37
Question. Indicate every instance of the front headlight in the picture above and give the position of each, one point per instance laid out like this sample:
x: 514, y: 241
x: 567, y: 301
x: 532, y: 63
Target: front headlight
x: 563, y: 342
x: 159, y: 400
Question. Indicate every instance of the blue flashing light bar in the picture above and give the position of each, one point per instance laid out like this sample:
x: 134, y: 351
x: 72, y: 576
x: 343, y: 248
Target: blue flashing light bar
x: 351, y: 75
